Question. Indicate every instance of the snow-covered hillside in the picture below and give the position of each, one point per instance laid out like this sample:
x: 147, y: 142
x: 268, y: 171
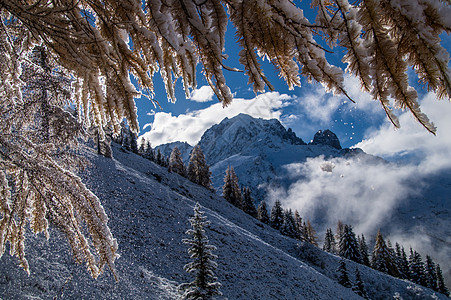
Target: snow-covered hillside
x: 149, y: 210
x: 327, y: 183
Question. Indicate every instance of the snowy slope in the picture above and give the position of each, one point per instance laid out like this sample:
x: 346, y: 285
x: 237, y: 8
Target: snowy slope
x: 274, y: 163
x: 148, y: 210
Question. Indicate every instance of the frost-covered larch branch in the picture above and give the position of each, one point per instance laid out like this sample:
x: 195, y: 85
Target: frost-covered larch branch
x: 104, y: 43
x: 38, y: 141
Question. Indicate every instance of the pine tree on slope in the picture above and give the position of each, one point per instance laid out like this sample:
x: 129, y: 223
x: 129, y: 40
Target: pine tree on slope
x: 176, y: 164
x: 381, y: 259
x: 363, y: 249
x: 329, y: 241
x: 159, y: 157
x: 142, y: 147
x: 441, y: 287
x: 311, y: 234
x: 343, y: 277
x: 416, y: 268
x: 227, y: 189
x: 430, y: 273
x: 247, y: 204
x: 348, y: 246
x: 125, y: 136
x: 204, y: 286
x: 149, y: 153
x: 198, y: 170
x: 231, y: 189
x: 236, y: 189
x: 339, y: 231
x: 288, y: 226
x: 401, y: 262
x: 304, y: 233
x: 262, y: 213
x: 359, y: 286
x: 276, y: 215
x: 133, y: 142
x: 298, y: 223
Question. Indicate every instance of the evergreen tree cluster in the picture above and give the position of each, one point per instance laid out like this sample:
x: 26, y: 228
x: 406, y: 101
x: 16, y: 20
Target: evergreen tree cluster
x: 197, y: 171
x: 291, y: 224
x: 384, y: 258
x: 284, y: 220
x: 239, y: 197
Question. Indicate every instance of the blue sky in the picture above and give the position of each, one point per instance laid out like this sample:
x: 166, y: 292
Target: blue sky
x: 305, y: 109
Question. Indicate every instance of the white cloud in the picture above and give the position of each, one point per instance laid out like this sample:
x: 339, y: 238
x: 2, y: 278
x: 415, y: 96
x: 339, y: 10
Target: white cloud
x: 189, y: 127
x: 413, y: 139
x: 363, y: 101
x: 353, y: 191
x: 203, y: 94
x: 318, y: 105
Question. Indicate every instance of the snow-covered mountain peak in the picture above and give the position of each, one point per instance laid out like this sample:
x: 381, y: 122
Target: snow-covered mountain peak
x: 242, y: 132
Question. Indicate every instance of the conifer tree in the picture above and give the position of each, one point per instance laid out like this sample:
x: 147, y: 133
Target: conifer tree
x: 133, y: 143
x: 348, y: 246
x: 329, y: 241
x: 304, y: 233
x: 142, y: 147
x: 311, y: 234
x: 262, y: 213
x: 205, y: 284
x: 401, y: 262
x: 198, y: 170
x: 298, y: 224
x: 288, y: 226
x: 276, y: 217
x: 231, y: 189
x: 441, y: 287
x: 416, y: 268
x: 247, y: 204
x: 176, y: 164
x: 227, y: 188
x: 430, y: 273
x: 149, y: 154
x: 339, y: 231
x: 381, y: 259
x: 236, y: 189
x: 363, y: 249
x: 392, y: 254
x: 159, y: 157
x: 359, y: 286
x: 343, y: 277
x: 125, y: 138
